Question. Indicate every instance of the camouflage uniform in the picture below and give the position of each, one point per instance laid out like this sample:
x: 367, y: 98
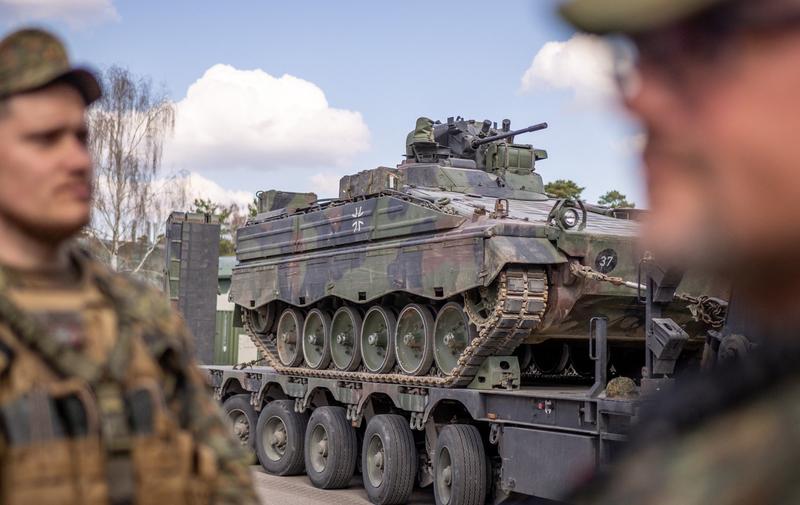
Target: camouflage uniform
x: 728, y: 439
x: 731, y: 437
x: 100, y: 401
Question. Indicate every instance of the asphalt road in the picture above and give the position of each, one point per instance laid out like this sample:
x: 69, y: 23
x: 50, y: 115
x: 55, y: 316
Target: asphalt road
x: 298, y: 490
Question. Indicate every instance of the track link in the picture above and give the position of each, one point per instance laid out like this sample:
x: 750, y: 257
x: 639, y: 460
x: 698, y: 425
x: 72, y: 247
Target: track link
x: 518, y: 309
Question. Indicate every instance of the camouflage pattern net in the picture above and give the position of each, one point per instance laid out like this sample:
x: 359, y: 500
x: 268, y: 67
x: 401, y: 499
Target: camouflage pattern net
x: 521, y: 302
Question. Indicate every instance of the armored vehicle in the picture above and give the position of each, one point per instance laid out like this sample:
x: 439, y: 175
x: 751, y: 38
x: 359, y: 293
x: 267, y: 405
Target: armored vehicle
x: 437, y: 271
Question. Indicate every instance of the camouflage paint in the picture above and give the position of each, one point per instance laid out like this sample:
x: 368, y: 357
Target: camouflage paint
x: 437, y: 230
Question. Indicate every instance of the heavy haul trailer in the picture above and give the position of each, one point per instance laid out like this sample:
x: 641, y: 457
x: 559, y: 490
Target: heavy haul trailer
x: 399, y: 319
x: 474, y: 446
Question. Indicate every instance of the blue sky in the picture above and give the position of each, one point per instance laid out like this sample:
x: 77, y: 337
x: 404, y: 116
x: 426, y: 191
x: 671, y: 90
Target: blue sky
x: 390, y: 62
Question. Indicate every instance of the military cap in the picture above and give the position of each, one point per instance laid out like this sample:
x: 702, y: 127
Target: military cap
x: 630, y: 16
x: 33, y: 58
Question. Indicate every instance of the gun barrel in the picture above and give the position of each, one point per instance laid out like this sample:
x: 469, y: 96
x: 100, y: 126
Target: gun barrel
x: 535, y: 128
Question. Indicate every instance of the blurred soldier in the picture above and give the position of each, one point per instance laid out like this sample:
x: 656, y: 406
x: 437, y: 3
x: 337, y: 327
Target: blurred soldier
x: 716, y: 86
x: 100, y: 402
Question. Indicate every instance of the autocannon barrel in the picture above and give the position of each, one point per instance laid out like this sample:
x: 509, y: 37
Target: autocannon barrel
x: 535, y: 128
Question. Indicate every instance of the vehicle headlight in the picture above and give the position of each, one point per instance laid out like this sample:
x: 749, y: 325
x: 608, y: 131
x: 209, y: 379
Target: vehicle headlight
x: 569, y: 218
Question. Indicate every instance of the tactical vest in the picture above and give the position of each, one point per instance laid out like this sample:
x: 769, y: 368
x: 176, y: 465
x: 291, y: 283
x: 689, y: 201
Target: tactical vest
x: 77, y: 430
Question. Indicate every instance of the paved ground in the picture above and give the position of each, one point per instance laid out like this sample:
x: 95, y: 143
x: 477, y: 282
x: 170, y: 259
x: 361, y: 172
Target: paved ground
x: 298, y: 490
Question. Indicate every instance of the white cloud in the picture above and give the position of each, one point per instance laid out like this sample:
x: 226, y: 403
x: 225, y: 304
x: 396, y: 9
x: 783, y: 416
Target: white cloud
x: 76, y: 13
x: 249, y: 119
x: 583, y: 64
x: 325, y: 185
x: 632, y: 145
x: 198, y: 186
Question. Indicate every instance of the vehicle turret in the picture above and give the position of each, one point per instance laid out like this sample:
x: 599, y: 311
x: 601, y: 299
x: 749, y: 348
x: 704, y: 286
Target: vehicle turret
x: 467, y: 143
x: 461, y: 155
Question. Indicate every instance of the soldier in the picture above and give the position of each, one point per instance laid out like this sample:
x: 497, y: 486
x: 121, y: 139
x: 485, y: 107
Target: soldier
x: 100, y: 402
x: 715, y: 85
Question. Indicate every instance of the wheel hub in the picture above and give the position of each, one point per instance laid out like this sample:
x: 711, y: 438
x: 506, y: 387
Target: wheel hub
x: 373, y: 339
x: 447, y: 476
x: 444, y: 476
x: 241, y: 427
x: 279, y: 438
x: 375, y: 461
x: 319, y: 448
x: 275, y: 438
x: 450, y: 341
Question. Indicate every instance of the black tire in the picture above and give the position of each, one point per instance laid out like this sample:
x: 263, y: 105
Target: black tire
x: 579, y: 357
x: 333, y: 468
x: 244, y: 419
x: 733, y: 348
x: 550, y: 357
x: 398, y: 471
x: 459, y: 448
x: 286, y: 458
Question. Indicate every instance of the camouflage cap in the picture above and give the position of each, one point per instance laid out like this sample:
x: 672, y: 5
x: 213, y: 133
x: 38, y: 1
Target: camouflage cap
x: 629, y: 16
x: 32, y: 58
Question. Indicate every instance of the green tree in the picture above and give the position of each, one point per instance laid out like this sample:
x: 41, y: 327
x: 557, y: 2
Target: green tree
x: 206, y: 206
x: 229, y: 219
x: 226, y: 247
x: 563, y: 188
x: 616, y: 200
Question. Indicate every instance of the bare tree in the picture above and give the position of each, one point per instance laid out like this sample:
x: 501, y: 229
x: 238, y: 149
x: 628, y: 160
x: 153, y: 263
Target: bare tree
x: 128, y: 126
x: 167, y: 194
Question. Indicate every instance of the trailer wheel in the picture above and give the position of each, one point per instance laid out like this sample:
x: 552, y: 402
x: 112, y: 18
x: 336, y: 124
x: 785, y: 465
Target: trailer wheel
x: 280, y: 437
x: 331, y: 448
x: 459, y: 464
x: 243, y: 419
x: 388, y: 460
x: 579, y: 357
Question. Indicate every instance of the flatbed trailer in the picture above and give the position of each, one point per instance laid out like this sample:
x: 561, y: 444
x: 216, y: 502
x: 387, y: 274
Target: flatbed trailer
x: 535, y: 440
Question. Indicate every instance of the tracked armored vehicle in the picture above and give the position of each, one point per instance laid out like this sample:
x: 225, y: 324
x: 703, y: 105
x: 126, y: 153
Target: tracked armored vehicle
x: 436, y: 271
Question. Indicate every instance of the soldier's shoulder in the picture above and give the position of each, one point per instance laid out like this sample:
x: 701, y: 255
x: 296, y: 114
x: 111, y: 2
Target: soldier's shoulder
x: 745, y: 449
x: 749, y: 451
x: 138, y: 301
x: 123, y: 284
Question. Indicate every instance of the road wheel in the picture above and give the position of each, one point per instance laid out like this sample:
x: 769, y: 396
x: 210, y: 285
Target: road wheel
x: 459, y: 464
x: 243, y: 419
x: 346, y: 339
x: 377, y: 340
x: 262, y: 318
x: 452, y: 333
x: 331, y: 448
x: 582, y: 363
x: 551, y: 358
x: 289, y: 336
x: 280, y: 437
x: 388, y: 460
x: 413, y: 342
x: 316, y: 339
